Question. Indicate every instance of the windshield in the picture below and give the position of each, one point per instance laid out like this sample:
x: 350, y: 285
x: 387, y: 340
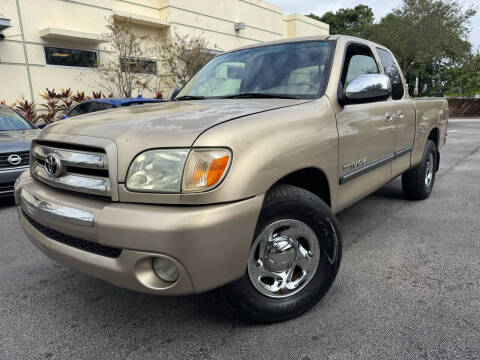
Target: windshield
x: 11, y: 121
x: 294, y: 70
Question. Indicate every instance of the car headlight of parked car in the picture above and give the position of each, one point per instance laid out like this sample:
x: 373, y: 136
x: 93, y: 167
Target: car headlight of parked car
x: 178, y: 170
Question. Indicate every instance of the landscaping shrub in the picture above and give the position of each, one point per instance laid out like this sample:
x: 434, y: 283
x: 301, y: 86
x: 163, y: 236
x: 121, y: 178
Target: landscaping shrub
x: 54, y: 106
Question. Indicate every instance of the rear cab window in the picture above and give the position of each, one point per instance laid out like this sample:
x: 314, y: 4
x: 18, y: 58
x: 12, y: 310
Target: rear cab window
x: 393, y: 72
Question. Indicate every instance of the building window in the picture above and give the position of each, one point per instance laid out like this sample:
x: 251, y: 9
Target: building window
x: 139, y: 66
x: 70, y: 57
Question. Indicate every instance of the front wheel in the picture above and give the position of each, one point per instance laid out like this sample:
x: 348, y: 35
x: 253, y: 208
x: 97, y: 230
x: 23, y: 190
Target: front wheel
x: 417, y: 183
x: 294, y: 258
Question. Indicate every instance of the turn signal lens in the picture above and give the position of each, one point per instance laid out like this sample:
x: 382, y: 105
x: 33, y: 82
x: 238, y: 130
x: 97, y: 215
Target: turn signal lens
x: 217, y: 168
x: 205, y: 169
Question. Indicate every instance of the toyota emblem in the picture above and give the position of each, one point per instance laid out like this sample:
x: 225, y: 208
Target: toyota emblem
x: 53, y: 165
x: 14, y: 159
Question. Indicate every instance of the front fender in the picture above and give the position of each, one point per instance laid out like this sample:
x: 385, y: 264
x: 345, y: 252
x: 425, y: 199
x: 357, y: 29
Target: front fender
x: 268, y: 146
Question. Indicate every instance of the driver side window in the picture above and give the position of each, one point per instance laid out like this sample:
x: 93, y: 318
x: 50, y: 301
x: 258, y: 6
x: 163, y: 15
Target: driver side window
x: 358, y: 60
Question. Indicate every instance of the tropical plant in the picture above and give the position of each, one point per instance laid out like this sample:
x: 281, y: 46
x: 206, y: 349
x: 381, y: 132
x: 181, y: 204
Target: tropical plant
x: 4, y: 102
x: 66, y: 101
x: 49, y: 94
x: 97, y: 94
x: 51, y: 109
x: 79, y: 97
x: 27, y: 109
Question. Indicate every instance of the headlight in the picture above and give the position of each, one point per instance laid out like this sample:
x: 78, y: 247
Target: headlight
x: 160, y: 171
x: 205, y: 169
x: 157, y: 171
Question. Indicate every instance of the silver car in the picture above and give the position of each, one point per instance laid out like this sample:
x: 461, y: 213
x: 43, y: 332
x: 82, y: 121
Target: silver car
x: 16, y: 134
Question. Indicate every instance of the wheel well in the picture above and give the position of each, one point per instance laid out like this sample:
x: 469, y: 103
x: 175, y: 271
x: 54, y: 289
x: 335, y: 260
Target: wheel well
x: 310, y: 179
x: 435, y: 136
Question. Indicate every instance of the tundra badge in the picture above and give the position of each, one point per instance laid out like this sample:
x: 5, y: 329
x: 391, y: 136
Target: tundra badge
x: 355, y: 164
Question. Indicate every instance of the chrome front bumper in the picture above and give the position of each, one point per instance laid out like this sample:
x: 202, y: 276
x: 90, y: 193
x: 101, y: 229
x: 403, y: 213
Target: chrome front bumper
x: 33, y: 206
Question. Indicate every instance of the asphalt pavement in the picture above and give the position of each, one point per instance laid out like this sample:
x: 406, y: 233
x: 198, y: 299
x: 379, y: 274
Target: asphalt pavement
x: 408, y: 288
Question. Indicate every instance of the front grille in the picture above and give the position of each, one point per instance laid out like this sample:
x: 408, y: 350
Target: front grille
x: 78, y: 168
x: 4, y: 163
x: 65, y: 239
x: 6, y: 188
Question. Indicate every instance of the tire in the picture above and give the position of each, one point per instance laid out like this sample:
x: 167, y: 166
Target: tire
x: 302, y: 226
x: 417, y: 183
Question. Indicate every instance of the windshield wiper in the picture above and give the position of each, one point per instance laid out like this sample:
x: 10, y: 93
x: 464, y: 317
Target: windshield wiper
x: 259, y: 96
x: 190, y: 97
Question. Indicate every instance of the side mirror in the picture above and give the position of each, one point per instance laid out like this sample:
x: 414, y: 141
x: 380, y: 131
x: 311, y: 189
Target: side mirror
x: 368, y: 87
x: 173, y: 94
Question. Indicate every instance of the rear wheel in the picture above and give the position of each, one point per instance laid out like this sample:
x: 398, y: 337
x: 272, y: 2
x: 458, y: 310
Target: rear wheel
x: 293, y: 260
x: 417, y: 183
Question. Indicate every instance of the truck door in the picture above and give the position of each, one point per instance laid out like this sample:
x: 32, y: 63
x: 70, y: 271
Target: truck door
x: 404, y: 113
x: 366, y: 133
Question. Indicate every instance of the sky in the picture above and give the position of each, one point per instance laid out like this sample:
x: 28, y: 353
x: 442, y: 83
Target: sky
x: 379, y: 7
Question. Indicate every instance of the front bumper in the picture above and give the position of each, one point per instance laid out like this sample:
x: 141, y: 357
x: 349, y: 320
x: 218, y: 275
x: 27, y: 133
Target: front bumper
x: 209, y: 244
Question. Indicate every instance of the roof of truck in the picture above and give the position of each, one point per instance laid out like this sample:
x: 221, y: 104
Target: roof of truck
x: 345, y: 38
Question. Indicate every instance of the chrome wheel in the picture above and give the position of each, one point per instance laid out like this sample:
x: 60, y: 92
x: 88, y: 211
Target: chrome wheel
x: 429, y: 170
x: 284, y: 258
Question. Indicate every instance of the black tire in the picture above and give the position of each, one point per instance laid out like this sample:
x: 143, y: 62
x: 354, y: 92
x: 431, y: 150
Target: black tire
x: 290, y: 202
x: 414, y: 182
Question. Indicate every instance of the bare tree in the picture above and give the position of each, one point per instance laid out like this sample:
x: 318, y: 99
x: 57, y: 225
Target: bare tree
x: 128, y: 67
x: 182, y: 56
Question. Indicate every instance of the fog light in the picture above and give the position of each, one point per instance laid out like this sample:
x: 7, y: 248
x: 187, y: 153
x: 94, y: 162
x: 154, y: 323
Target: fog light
x: 165, y: 269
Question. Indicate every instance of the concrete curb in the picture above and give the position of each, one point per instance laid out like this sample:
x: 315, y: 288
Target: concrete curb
x: 464, y: 119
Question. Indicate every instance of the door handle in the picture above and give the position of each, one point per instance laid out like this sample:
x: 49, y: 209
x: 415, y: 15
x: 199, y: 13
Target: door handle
x: 388, y: 116
x: 400, y: 114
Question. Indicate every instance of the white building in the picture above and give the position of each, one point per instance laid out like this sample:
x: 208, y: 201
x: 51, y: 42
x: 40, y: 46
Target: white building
x: 38, y: 35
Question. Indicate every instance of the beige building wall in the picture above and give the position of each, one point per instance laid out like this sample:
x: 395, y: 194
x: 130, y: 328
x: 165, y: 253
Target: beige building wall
x: 79, y: 25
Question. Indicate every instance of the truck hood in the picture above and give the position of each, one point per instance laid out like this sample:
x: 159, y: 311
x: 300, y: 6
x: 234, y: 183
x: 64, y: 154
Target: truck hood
x: 170, y: 124
x: 17, y: 141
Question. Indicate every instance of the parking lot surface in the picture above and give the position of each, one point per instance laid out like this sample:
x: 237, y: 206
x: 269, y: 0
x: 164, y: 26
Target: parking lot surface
x: 408, y: 287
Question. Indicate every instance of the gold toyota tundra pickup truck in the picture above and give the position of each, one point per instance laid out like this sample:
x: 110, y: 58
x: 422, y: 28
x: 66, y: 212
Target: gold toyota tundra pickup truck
x: 233, y: 183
